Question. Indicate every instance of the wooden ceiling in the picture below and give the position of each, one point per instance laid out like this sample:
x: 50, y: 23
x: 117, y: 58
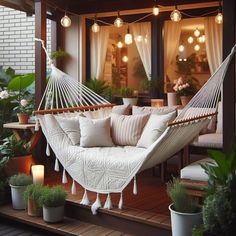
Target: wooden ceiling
x: 93, y: 6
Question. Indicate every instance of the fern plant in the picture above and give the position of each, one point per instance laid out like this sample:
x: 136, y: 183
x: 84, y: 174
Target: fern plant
x: 20, y: 180
x: 98, y: 86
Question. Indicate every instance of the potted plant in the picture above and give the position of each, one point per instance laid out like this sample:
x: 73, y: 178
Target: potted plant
x: 19, y: 156
x: 185, y: 213
x: 18, y: 184
x: 53, y: 201
x: 32, y: 196
x: 24, y: 110
x: 128, y: 97
x: 3, y: 180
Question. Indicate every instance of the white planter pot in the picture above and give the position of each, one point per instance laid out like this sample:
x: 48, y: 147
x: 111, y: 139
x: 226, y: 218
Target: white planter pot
x: 171, y: 99
x: 130, y: 101
x: 182, y: 223
x: 53, y: 214
x: 17, y: 196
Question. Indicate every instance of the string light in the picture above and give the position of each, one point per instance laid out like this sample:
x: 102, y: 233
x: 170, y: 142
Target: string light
x: 95, y: 26
x: 118, y: 21
x: 139, y: 38
x: 219, y: 16
x: 175, y: 14
x: 201, y: 39
x: 181, y: 48
x: 196, y: 32
x: 125, y: 59
x: 128, y: 37
x: 155, y: 9
x: 190, y: 39
x: 66, y: 21
x: 197, y: 47
x: 119, y: 44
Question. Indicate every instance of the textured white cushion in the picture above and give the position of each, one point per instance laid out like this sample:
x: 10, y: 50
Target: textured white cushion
x: 126, y: 130
x: 154, y: 128
x: 152, y: 110
x: 219, y: 125
x: 98, y: 114
x: 214, y: 140
x: 70, y: 125
x: 95, y: 132
x: 121, y: 109
x: 194, y: 171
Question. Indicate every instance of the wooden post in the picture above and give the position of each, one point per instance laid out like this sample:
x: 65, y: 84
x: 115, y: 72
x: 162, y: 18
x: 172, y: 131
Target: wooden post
x: 229, y: 39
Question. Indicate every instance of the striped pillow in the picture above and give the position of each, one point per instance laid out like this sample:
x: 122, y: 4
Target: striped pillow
x: 126, y: 130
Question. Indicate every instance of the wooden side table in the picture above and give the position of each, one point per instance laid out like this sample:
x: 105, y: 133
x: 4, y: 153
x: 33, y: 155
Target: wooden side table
x: 19, y: 129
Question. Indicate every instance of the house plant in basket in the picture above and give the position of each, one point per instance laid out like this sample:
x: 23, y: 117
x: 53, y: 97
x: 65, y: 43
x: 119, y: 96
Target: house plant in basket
x: 53, y: 201
x: 18, y: 184
x: 185, y: 213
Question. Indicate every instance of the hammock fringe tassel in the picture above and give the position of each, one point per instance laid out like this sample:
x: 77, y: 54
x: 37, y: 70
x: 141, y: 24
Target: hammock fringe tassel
x: 56, y: 167
x: 73, y: 188
x: 36, y: 125
x: 64, y: 178
x: 120, y: 205
x: 108, y: 202
x: 97, y: 204
x: 135, y: 189
x: 48, y: 150
x: 85, y: 199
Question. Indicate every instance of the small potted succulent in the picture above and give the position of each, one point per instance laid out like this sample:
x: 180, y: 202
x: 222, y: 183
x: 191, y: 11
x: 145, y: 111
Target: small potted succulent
x: 18, y: 184
x: 185, y: 212
x: 24, y: 110
x: 32, y: 196
x: 128, y: 96
x: 53, y: 202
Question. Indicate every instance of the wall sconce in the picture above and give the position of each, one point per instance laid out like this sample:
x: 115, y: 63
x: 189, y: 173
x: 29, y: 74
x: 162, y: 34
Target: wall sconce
x: 128, y: 37
x: 155, y: 9
x: 118, y: 21
x: 38, y: 174
x: 66, y: 21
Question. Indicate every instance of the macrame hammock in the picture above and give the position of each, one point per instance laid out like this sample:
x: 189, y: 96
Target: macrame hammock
x: 106, y: 170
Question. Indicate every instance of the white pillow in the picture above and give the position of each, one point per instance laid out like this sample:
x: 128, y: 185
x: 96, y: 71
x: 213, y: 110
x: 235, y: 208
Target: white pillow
x: 152, y: 110
x: 126, y: 130
x: 154, y: 128
x: 70, y: 125
x: 98, y: 114
x: 95, y: 132
x: 121, y: 109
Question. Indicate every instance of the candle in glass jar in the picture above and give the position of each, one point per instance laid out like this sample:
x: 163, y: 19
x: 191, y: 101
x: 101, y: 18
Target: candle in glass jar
x: 38, y: 174
x: 157, y: 102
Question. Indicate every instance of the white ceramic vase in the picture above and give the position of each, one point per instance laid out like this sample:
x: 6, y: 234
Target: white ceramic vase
x: 182, y: 223
x: 53, y: 214
x: 171, y: 99
x: 17, y: 196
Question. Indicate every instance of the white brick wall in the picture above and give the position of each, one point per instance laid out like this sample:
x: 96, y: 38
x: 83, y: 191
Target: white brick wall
x: 17, y: 40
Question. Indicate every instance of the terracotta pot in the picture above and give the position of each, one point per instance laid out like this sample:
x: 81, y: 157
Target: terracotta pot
x: 23, y: 118
x: 185, y: 100
x: 33, y: 210
x: 20, y: 164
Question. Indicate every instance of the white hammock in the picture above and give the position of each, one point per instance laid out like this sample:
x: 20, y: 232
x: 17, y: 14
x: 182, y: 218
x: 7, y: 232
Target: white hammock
x: 110, y: 169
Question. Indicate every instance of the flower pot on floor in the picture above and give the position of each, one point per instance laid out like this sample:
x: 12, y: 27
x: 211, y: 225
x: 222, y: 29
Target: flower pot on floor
x: 53, y: 214
x: 182, y: 223
x: 130, y: 101
x: 23, y: 118
x: 17, y: 195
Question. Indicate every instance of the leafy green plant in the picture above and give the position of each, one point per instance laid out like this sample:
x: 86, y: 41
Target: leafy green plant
x: 126, y: 92
x: 53, y: 197
x: 34, y: 192
x: 13, y: 147
x: 178, y: 194
x: 58, y: 54
x: 20, y: 180
x: 98, y: 86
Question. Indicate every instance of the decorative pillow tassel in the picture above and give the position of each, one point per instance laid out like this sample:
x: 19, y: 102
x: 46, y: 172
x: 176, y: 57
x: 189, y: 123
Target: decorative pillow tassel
x: 64, y: 178
x: 85, y: 199
x: 73, y: 188
x: 120, y: 205
x: 97, y: 204
x: 36, y: 128
x: 108, y: 202
x: 135, y: 191
x: 48, y: 150
x: 56, y: 167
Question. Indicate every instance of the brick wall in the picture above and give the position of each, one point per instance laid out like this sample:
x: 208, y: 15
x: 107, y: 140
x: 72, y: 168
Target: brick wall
x: 17, y: 40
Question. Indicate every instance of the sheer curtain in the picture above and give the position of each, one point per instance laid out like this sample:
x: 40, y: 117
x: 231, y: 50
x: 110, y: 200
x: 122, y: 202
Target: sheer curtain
x: 99, y: 43
x: 142, y: 37
x: 213, y: 34
x: 172, y: 31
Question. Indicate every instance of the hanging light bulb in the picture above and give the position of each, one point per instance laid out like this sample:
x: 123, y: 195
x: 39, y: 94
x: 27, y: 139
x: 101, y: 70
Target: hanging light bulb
x: 128, y: 37
x: 95, y: 27
x: 118, y: 21
x: 120, y: 44
x: 66, y: 21
x: 190, y: 39
x: 197, y: 47
x: 196, y: 32
x: 181, y: 48
x: 219, y: 16
x: 125, y: 59
x: 139, y: 38
x: 155, y: 9
x: 175, y: 15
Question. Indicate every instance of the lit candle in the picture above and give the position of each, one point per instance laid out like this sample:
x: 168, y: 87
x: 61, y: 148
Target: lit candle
x: 38, y: 174
x: 157, y: 102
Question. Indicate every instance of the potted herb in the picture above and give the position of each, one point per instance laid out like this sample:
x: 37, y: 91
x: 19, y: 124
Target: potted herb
x: 18, y: 184
x: 19, y: 156
x: 32, y: 196
x: 185, y: 213
x: 128, y: 97
x: 53, y: 201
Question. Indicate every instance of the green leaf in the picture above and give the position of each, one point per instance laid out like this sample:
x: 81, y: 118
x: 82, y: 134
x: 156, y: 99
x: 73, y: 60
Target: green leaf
x: 10, y: 71
x: 21, y: 82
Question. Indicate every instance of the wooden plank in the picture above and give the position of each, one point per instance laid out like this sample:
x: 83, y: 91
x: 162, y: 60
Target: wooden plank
x: 16, y: 125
